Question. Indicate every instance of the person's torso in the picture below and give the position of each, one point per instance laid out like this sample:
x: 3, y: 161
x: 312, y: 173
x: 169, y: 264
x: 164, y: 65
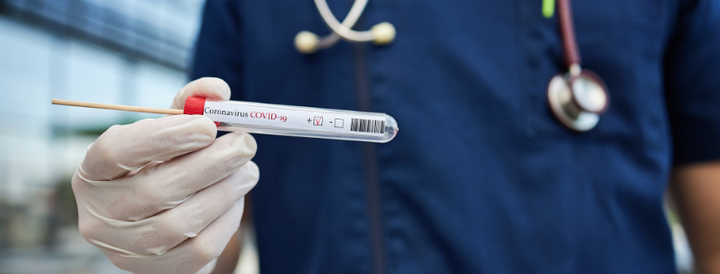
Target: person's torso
x: 480, y: 178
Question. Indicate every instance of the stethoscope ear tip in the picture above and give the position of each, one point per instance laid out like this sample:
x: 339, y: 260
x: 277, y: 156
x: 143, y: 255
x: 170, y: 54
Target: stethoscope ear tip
x: 306, y: 42
x: 383, y: 33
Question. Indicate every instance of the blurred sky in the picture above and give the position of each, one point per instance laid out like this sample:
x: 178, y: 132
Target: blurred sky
x: 69, y: 50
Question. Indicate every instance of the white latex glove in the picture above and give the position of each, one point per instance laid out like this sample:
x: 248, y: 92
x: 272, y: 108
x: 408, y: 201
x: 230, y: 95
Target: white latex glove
x: 163, y: 195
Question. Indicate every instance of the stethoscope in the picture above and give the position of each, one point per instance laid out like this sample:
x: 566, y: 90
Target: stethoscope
x: 381, y: 34
x: 577, y: 98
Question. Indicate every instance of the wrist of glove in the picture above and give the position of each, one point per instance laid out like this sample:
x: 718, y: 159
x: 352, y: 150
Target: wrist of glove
x: 164, y: 195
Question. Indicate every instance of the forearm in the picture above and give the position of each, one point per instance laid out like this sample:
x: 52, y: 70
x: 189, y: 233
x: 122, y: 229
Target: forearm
x: 696, y: 191
x: 229, y: 258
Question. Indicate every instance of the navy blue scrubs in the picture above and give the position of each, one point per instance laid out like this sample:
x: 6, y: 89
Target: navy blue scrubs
x: 481, y: 178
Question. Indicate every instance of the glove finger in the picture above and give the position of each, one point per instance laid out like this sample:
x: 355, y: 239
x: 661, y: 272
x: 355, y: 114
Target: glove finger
x: 208, y: 87
x: 188, y: 257
x: 157, y: 234
x: 166, y: 185
x: 121, y: 149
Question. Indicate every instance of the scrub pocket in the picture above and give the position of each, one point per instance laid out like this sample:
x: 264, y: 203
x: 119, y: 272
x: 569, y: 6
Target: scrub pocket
x: 623, y: 42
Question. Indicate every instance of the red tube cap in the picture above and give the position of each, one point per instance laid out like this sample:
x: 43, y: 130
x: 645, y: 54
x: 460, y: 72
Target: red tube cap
x: 194, y: 105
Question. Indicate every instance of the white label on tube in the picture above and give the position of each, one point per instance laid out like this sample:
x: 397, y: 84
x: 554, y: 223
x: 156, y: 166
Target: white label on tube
x: 338, y: 122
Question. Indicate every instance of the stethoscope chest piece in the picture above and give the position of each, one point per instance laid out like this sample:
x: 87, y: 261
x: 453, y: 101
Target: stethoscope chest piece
x: 578, y: 97
x: 579, y: 100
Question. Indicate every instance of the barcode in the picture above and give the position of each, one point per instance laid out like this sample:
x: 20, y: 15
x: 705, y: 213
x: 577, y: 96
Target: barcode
x: 367, y: 125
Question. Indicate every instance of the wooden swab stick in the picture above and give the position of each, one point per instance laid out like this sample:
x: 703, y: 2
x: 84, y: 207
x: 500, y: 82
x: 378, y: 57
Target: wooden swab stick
x: 116, y: 107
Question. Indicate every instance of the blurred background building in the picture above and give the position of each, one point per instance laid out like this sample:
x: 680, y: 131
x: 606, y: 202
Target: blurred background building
x: 133, y: 52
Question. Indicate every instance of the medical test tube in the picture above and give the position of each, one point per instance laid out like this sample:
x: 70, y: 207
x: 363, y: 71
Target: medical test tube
x: 295, y: 120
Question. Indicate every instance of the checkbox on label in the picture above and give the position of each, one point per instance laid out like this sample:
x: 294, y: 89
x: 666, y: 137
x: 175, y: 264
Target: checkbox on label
x: 318, y: 121
x: 339, y: 122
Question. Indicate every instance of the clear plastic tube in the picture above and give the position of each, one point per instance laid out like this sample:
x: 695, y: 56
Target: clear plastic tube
x: 296, y: 121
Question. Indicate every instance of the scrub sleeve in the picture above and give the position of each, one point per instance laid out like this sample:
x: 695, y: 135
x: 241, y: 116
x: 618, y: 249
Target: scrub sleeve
x: 692, y: 82
x: 220, y: 46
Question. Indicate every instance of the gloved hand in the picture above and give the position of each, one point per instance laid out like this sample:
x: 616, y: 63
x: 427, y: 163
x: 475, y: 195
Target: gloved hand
x: 163, y: 195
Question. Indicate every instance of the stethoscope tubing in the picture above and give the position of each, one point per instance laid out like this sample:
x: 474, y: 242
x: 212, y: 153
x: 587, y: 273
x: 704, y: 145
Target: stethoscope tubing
x: 355, y: 12
x: 567, y: 28
x: 380, y: 34
x: 342, y: 30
